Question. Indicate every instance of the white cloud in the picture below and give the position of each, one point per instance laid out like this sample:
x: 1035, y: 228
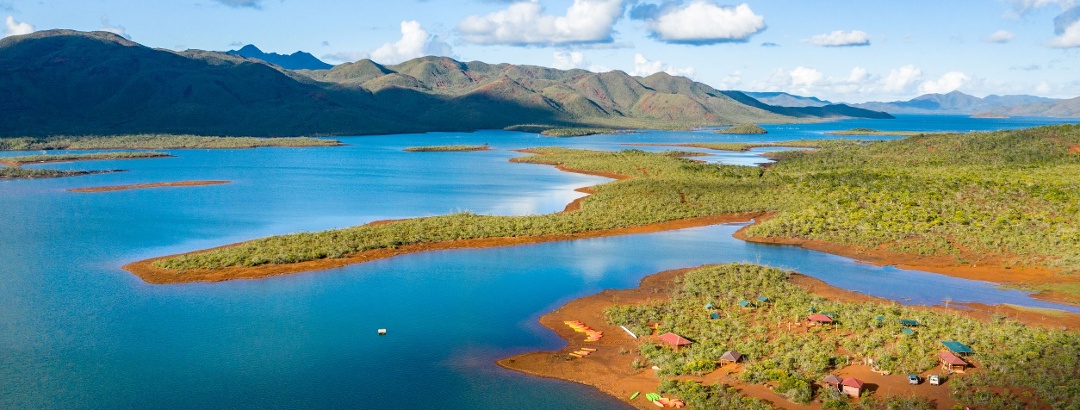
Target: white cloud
x: 1023, y: 6
x: 118, y: 29
x: 902, y: 79
x: 1070, y: 38
x: 568, y: 60
x: 524, y: 23
x: 858, y: 85
x: 14, y: 28
x: 731, y: 81
x: 703, y: 22
x: 415, y: 42
x: 840, y: 38
x: 644, y: 67
x: 949, y: 82
x: 805, y: 77
x: 1043, y: 88
x: 858, y: 75
x: 1001, y: 36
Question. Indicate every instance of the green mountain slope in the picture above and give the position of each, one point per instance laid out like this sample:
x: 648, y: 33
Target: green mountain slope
x: 70, y: 82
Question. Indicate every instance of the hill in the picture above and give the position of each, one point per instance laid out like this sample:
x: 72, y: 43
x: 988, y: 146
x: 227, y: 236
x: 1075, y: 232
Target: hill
x: 787, y: 100
x: 954, y: 102
x: 1061, y: 109
x: 77, y: 83
x: 295, y: 61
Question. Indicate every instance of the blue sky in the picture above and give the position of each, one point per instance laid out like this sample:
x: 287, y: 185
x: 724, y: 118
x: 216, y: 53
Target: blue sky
x: 843, y: 50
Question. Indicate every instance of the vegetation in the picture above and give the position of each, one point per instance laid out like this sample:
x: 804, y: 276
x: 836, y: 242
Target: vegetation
x: 873, y: 132
x: 575, y: 132
x: 746, y: 146
x: 1008, y: 197
x: 31, y: 159
x: 778, y: 347
x: 743, y: 129
x: 23, y: 173
x: 448, y: 148
x: 154, y: 141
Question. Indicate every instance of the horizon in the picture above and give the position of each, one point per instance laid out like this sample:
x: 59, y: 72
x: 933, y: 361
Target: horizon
x: 840, y: 51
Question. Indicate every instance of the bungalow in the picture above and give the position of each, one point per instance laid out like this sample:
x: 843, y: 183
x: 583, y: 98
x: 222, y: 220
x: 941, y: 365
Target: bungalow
x: 764, y: 299
x: 745, y: 303
x: 730, y: 356
x: 819, y: 318
x: 852, y: 386
x: 909, y: 322
x: 957, y: 348
x: 674, y: 340
x: 952, y: 364
x: 833, y: 381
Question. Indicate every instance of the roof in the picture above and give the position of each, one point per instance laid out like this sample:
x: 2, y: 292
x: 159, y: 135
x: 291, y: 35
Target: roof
x: 674, y: 339
x: 852, y: 382
x: 817, y: 317
x: 709, y: 305
x: 957, y: 347
x: 951, y: 359
x: 731, y: 356
x: 714, y: 315
x: 909, y: 322
x: 763, y: 298
x: 832, y: 379
x: 907, y: 331
x: 744, y: 303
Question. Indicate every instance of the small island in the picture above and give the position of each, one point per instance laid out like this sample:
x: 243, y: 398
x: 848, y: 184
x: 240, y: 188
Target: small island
x: 743, y: 129
x: 23, y: 173
x: 145, y: 186
x: 42, y: 159
x: 448, y: 148
x: 877, y: 133
x: 754, y: 337
x: 156, y: 141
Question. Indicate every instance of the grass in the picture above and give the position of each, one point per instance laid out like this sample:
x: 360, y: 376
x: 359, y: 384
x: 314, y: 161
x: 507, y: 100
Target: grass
x: 154, y: 141
x: 794, y: 360
x: 743, y: 129
x: 746, y: 146
x: 22, y: 173
x: 448, y: 148
x: 1010, y: 197
x: 33, y: 159
x: 873, y: 132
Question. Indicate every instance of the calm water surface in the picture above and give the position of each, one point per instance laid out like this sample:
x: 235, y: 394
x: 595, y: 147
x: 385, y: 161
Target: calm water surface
x: 78, y: 332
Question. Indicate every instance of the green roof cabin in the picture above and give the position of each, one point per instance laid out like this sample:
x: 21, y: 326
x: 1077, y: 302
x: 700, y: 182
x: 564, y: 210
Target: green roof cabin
x: 957, y: 347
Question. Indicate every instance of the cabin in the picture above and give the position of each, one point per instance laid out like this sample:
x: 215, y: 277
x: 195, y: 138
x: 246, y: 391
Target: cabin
x: 909, y: 322
x: 730, y: 356
x: 714, y: 315
x: 745, y: 303
x: 819, y: 318
x: 907, y: 331
x: 833, y: 381
x: 764, y: 299
x: 958, y: 348
x: 852, y: 387
x: 674, y: 340
x: 952, y: 364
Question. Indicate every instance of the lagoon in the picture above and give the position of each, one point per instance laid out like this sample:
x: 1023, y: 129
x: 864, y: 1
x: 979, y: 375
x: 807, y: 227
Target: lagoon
x: 76, y: 331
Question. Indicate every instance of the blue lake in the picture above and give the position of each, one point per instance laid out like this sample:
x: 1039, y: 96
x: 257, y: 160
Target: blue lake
x: 76, y: 331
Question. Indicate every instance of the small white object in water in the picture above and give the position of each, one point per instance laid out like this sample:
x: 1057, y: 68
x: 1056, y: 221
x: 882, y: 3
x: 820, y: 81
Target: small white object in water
x: 382, y: 332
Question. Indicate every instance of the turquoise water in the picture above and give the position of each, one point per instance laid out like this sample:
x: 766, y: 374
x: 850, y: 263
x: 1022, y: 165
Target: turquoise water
x: 76, y: 331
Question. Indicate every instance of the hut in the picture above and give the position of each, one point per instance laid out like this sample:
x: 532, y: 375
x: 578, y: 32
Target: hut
x: 952, y: 364
x: 957, y: 348
x: 819, y: 318
x: 745, y: 303
x: 730, y: 356
x: 714, y: 315
x: 909, y: 322
x: 763, y: 299
x: 907, y: 331
x: 833, y: 381
x: 674, y: 340
x: 852, y: 386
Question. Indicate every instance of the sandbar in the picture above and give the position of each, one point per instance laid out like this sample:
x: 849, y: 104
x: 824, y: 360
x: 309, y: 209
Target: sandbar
x: 145, y: 186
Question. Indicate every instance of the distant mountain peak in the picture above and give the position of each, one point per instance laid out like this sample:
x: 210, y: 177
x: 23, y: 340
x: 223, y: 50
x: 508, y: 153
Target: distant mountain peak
x: 295, y: 61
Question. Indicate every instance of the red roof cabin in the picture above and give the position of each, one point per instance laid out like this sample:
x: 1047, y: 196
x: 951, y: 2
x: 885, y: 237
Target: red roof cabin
x: 852, y: 386
x: 674, y: 340
x: 952, y: 364
x: 819, y: 318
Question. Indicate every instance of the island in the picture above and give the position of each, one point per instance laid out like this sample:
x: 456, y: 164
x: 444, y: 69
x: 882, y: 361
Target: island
x: 42, y: 159
x: 23, y: 173
x: 995, y: 206
x: 743, y: 129
x: 744, y: 336
x: 877, y: 133
x: 156, y: 141
x: 448, y: 148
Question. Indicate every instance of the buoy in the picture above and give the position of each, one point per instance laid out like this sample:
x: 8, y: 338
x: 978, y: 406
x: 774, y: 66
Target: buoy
x: 382, y: 332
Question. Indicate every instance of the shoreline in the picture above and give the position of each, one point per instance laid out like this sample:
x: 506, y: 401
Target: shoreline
x: 609, y: 370
x: 15, y: 164
x: 146, y: 186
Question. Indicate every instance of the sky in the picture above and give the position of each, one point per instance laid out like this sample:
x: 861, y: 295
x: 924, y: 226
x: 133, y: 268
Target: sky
x: 841, y: 50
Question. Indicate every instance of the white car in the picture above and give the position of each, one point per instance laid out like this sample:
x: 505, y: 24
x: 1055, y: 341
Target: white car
x: 934, y: 379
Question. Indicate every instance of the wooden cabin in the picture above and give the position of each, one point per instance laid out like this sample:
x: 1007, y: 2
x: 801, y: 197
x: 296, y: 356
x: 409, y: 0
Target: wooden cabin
x: 951, y: 363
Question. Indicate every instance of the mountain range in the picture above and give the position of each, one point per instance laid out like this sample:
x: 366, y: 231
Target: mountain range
x: 92, y: 83
x: 295, y: 61
x: 954, y: 102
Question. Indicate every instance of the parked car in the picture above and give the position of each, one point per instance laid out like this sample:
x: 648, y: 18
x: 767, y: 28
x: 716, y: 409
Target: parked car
x: 935, y: 379
x: 913, y: 379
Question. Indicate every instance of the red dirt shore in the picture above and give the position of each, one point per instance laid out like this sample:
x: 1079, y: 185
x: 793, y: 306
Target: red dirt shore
x: 144, y: 186
x: 608, y: 368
